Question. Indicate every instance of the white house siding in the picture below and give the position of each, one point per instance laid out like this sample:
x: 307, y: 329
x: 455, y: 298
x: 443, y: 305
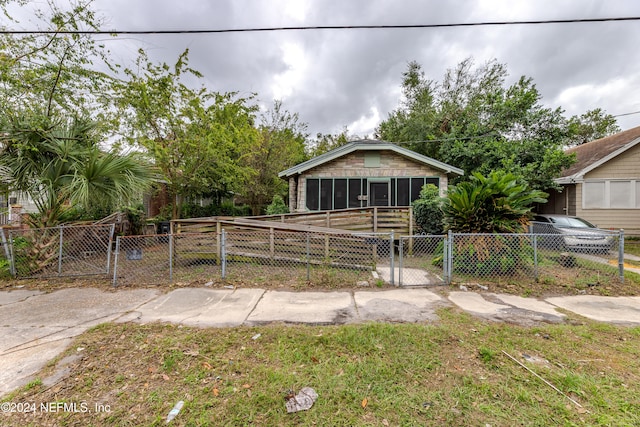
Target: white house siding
x: 626, y: 166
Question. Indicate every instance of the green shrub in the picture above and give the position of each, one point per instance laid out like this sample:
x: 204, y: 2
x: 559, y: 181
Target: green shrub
x: 427, y: 211
x: 499, y: 203
x: 491, y: 255
x: 277, y: 206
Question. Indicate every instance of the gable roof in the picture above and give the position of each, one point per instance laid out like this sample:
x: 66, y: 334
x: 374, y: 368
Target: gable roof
x: 593, y: 154
x: 367, y: 145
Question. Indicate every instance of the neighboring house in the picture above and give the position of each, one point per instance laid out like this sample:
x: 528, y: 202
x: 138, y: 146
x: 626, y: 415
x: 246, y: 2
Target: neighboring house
x: 603, y: 186
x: 364, y: 173
x: 13, y: 205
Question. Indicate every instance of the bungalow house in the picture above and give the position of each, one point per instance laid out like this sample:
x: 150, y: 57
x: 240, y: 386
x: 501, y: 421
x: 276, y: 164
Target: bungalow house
x: 364, y: 173
x: 603, y: 186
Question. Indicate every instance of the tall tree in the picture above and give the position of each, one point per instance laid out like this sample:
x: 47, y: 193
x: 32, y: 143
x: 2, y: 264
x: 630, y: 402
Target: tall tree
x: 473, y: 120
x: 196, y: 138
x: 281, y: 145
x: 592, y: 125
x: 327, y: 142
x: 54, y: 72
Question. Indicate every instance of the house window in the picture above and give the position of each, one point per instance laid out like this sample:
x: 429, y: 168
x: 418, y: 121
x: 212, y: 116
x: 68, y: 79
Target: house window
x: 610, y: 194
x: 620, y: 195
x: 402, y: 192
x: 594, y: 195
x: 416, y: 186
x: 355, y: 187
x: 326, y: 194
x: 313, y: 194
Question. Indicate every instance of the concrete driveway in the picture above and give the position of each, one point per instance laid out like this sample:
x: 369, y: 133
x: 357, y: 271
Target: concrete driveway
x: 36, y: 327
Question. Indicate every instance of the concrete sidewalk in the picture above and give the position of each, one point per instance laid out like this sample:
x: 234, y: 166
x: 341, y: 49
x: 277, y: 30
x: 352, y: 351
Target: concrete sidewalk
x: 36, y: 327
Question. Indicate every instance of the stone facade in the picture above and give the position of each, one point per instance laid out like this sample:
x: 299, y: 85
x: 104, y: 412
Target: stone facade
x: 353, y: 166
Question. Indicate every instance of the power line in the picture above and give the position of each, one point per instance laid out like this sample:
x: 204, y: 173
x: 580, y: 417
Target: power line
x: 325, y: 27
x: 626, y: 114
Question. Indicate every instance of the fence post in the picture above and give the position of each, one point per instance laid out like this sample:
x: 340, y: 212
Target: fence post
x: 272, y: 244
x: 326, y: 248
x: 449, y: 272
x: 375, y: 219
x: 400, y: 259
x: 111, y: 232
x: 534, y: 239
x: 392, y: 255
x: 621, y: 255
x: 171, y: 257
x: 223, y: 253
x: 115, y: 262
x: 13, y: 255
x: 218, y: 241
x: 308, y: 258
x: 60, y: 252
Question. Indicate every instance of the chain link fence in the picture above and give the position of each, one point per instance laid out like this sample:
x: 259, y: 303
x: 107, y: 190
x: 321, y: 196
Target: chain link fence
x: 307, y: 259
x: 60, y: 251
x: 583, y: 259
x: 256, y: 257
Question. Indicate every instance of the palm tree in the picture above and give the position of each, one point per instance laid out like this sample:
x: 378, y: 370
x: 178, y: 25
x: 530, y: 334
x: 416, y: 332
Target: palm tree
x: 483, y: 207
x: 498, y: 203
x: 60, y: 165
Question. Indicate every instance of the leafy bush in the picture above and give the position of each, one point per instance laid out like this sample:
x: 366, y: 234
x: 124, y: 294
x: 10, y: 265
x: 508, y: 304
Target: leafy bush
x: 427, y: 211
x: 5, y: 268
x: 136, y: 218
x: 277, y: 206
x: 192, y: 210
x: 491, y: 255
x: 499, y: 203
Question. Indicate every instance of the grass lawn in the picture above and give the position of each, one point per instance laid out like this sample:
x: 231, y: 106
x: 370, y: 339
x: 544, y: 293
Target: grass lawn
x: 453, y: 372
x: 632, y: 246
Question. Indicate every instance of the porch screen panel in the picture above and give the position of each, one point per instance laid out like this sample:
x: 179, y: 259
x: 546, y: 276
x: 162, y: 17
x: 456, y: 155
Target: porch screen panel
x: 434, y: 181
x: 326, y: 194
x: 416, y: 186
x: 340, y: 194
x: 354, y: 192
x: 403, y: 192
x: 313, y: 193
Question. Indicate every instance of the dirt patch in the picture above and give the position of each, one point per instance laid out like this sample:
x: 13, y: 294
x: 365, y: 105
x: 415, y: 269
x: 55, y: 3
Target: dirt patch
x: 556, y: 282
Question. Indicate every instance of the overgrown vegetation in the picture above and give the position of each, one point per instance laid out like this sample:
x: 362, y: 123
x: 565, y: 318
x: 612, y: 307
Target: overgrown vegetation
x: 497, y: 203
x: 454, y: 372
x: 427, y: 211
x: 474, y: 120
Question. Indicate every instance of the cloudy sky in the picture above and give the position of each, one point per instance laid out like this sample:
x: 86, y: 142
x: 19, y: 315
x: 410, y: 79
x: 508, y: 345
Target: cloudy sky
x: 338, y: 78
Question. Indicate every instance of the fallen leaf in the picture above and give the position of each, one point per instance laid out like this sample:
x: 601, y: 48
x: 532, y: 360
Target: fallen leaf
x: 216, y: 392
x: 248, y: 393
x: 165, y: 377
x: 246, y: 385
x: 385, y: 423
x: 364, y: 403
x: 315, y: 359
x: 207, y: 366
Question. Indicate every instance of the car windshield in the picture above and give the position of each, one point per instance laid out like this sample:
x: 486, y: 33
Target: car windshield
x: 569, y: 222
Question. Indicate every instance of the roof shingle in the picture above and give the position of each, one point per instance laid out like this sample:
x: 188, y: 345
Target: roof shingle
x: 594, y: 151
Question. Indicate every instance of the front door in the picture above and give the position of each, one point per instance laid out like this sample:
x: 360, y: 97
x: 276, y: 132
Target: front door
x: 378, y: 193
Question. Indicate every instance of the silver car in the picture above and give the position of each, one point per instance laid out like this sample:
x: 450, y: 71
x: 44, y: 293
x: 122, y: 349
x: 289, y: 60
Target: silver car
x: 577, y: 233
